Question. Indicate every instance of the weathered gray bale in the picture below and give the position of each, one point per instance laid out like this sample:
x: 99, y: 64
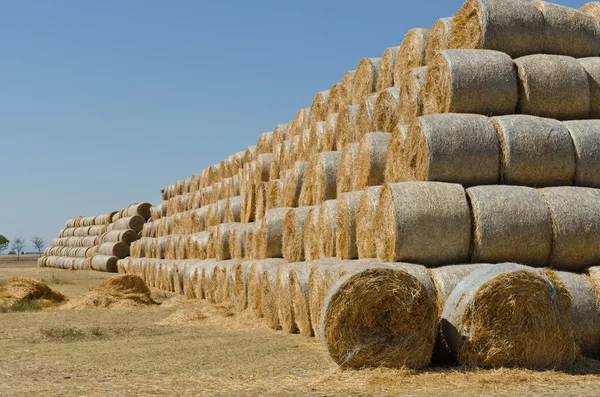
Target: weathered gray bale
x: 592, y: 69
x: 575, y: 214
x: 586, y: 140
x: 471, y: 81
x: 423, y: 222
x: 118, y: 249
x: 553, y: 86
x: 515, y: 27
x: 536, y: 332
x: 510, y: 223
x: 535, y: 151
x: 569, y: 31
x: 104, y: 263
x: 458, y: 148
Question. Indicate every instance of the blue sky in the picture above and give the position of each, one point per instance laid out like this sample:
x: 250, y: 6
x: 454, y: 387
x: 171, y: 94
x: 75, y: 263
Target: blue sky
x: 105, y: 103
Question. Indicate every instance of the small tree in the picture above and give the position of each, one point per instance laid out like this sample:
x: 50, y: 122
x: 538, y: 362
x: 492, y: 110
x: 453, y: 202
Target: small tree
x: 17, y: 245
x: 39, y: 243
x: 3, y: 243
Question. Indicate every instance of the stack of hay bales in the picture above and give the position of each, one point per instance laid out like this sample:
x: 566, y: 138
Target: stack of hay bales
x: 96, y: 242
x: 426, y: 208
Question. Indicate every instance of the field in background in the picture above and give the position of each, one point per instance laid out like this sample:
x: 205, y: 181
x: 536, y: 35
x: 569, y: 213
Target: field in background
x: 132, y: 353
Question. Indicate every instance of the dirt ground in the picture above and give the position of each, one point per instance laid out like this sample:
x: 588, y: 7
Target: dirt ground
x: 143, y: 352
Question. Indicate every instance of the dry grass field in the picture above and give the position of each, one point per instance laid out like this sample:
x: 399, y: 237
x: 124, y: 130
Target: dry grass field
x: 157, y: 351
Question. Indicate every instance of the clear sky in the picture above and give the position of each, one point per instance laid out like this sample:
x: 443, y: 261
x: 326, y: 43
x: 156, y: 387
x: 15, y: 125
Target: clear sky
x: 103, y: 103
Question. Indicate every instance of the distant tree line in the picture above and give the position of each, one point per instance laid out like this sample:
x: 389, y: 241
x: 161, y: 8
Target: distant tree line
x: 18, y: 243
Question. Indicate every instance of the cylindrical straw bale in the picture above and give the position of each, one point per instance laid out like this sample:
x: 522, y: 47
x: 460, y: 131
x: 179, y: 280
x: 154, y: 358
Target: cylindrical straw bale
x: 329, y: 140
x: 369, y: 167
x: 365, y: 118
x: 592, y: 69
x: 293, y: 183
x: 300, y: 123
x: 586, y: 140
x: 365, y: 79
x: 535, y: 151
x: 274, y: 197
x: 249, y: 154
x: 223, y: 235
x: 103, y: 263
x: 268, y: 298
x: 412, y: 85
x: 535, y: 332
x: 334, y: 100
x: 197, y: 245
x: 365, y: 222
x: 135, y: 223
x: 346, y: 86
x: 141, y: 209
x: 439, y: 38
x: 346, y: 129
x: 325, y: 176
x: 318, y: 108
x: 264, y: 143
x: 412, y: 52
x: 308, y: 183
x: 283, y: 297
x: 345, y: 226
x: 510, y: 223
x: 514, y: 27
x: 255, y: 275
x: 118, y: 249
x: 279, y: 133
x: 569, y: 31
x: 127, y: 236
x: 585, y: 310
x: 385, y: 75
x: 293, y: 234
x: 471, y: 81
x: 261, y: 200
x: 263, y: 168
x: 327, y: 226
x: 458, y: 148
x: 423, y: 222
x: 381, y: 315
x: 270, y: 236
x: 299, y: 297
x: 346, y: 168
x: 394, y: 171
x: 387, y: 109
x: 311, y: 234
x: 553, y: 86
x: 575, y: 214
x: 317, y: 137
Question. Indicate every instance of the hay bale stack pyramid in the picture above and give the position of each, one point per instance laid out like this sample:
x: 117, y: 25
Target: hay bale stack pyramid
x: 467, y: 225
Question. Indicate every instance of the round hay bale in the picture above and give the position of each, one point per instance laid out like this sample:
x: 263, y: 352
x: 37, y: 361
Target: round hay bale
x: 255, y: 275
x: 510, y: 223
x: 325, y: 176
x: 274, y: 197
x: 592, y: 8
x: 317, y: 137
x: 308, y: 183
x: 298, y: 279
x: 592, y: 69
x: 346, y: 129
x: 334, y: 100
x: 585, y: 310
x: 510, y: 315
x: 439, y: 38
x: 239, y: 291
x: 264, y: 143
x: 263, y: 168
x: 365, y: 79
x: 269, y: 238
x: 329, y: 141
x: 293, y: 183
x: 268, y: 298
x: 471, y: 81
x: 423, y: 222
x: 135, y: 223
x: 365, y: 221
x: 385, y: 75
x: 412, y: 85
x: 369, y: 167
x: 293, y: 234
x: 318, y: 108
x: 118, y: 249
x: 283, y: 296
x: 458, y: 148
x: 223, y: 236
x: 382, y: 315
x: 127, y: 236
x: 104, y: 263
x: 387, y: 109
x: 346, y: 168
x: 393, y: 168
x: 279, y: 134
x: 249, y: 154
x: 345, y: 226
x: 535, y: 151
x: 412, y: 52
x: 261, y: 200
x: 284, y: 153
x: 300, y: 123
x: 327, y: 221
x: 365, y: 118
x: 553, y: 86
x: 510, y: 26
x: 346, y: 86
x: 575, y: 214
x: 141, y: 209
x: 233, y: 209
x: 198, y: 245
x: 569, y: 31
x: 275, y: 163
x: 311, y: 234
x: 586, y: 140
x: 237, y: 239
